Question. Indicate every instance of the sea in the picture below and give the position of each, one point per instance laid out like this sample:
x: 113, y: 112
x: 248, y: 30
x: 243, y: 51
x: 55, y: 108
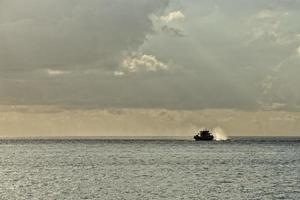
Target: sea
x: 149, y: 168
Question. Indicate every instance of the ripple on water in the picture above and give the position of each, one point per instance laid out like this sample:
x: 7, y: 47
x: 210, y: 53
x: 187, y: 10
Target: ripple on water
x: 149, y: 170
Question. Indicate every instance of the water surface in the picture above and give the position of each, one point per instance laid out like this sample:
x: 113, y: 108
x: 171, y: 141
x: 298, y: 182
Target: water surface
x: 242, y: 168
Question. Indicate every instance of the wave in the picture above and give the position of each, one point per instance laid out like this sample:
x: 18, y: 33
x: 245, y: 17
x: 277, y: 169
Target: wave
x: 219, y: 134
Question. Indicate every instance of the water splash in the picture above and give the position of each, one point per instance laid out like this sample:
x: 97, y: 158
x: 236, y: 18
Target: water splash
x: 219, y: 134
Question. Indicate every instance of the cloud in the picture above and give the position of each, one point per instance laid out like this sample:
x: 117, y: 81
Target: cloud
x: 118, y: 73
x: 142, y: 62
x: 172, y: 31
x: 267, y: 25
x: 72, y: 34
x: 52, y: 72
x: 165, y: 24
x: 267, y: 84
x: 298, y: 50
x: 242, y: 56
x: 173, y: 16
x: 265, y: 14
x: 269, y: 14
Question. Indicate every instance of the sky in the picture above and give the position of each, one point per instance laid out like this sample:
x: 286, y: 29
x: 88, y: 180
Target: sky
x: 145, y: 67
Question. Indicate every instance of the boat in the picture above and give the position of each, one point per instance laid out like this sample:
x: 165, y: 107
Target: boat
x: 204, y: 135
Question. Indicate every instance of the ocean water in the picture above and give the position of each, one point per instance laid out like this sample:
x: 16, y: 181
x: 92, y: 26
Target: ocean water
x: 241, y: 168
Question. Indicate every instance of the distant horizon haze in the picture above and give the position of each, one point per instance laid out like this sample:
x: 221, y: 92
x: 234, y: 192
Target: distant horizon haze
x: 47, y: 121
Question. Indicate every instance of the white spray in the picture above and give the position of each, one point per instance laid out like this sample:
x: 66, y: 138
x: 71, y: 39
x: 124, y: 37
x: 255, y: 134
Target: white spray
x: 219, y: 134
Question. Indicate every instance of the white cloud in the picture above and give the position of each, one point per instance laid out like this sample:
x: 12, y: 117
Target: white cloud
x: 267, y: 84
x: 118, y: 73
x: 274, y: 106
x: 142, y: 62
x: 52, y: 72
x: 264, y: 14
x: 269, y: 14
x: 268, y: 24
x: 173, y: 16
x: 298, y: 50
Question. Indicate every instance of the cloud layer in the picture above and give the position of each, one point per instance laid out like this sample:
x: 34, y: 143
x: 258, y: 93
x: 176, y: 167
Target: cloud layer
x: 151, y: 54
x: 71, y: 34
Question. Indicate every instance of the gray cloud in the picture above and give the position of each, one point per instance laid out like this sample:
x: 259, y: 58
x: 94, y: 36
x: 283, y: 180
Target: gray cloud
x: 71, y: 34
x: 235, y: 54
x: 172, y: 31
x: 230, y: 52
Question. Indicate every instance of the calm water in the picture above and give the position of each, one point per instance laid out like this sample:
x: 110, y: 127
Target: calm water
x: 252, y: 168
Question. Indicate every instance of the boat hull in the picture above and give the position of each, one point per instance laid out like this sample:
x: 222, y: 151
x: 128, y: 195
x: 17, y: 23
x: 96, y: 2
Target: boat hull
x: 199, y: 138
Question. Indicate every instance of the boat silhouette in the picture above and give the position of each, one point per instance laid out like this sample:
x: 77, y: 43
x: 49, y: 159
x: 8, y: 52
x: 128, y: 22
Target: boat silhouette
x: 204, y: 135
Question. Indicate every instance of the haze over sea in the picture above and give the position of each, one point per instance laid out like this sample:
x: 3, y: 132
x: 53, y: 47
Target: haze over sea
x: 176, y: 168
